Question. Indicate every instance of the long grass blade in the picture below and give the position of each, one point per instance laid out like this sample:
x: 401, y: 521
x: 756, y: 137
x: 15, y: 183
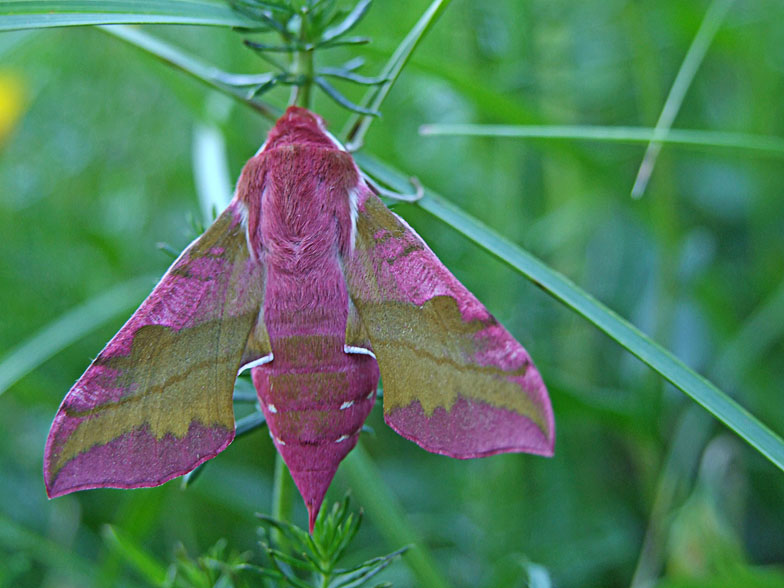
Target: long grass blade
x: 210, y: 170
x: 719, y: 404
x: 388, y: 516
x: 741, y: 141
x: 72, y: 568
x: 239, y: 86
x: 32, y: 14
x: 691, y: 63
x: 71, y: 327
x: 358, y: 124
x: 146, y: 565
x: 693, y: 431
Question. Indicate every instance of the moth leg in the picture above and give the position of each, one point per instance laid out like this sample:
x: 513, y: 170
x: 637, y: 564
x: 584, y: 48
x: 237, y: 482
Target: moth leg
x: 418, y: 190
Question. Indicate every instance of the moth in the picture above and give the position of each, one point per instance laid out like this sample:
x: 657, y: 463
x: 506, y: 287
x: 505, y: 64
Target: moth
x: 315, y: 286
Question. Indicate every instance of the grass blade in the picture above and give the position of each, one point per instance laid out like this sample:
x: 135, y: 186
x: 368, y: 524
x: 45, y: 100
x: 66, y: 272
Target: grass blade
x: 691, y: 63
x: 71, y: 327
x: 742, y: 141
x: 348, y: 23
x: 719, y: 404
x: 235, y: 85
x: 358, y: 124
x: 149, y: 568
x: 388, y: 516
x: 30, y: 14
x: 72, y: 568
x: 210, y: 170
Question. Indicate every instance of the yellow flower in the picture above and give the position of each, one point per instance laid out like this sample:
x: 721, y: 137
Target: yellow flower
x: 12, y: 102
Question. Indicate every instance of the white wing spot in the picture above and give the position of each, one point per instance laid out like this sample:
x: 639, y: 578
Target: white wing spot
x: 358, y: 351
x: 272, y: 409
x: 347, y: 404
x: 256, y: 362
x: 341, y: 439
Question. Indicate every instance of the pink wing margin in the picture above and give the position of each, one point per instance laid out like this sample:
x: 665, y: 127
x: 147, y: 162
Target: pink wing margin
x: 157, y: 401
x: 455, y: 381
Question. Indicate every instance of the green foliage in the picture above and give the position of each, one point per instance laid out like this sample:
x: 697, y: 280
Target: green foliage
x: 306, y: 27
x: 305, y: 562
x: 312, y: 560
x: 97, y: 171
x: 22, y: 14
x: 215, y: 569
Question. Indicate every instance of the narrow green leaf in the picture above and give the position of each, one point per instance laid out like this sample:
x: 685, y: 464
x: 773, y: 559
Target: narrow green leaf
x: 343, y: 41
x: 762, y: 329
x: 687, y: 442
x: 330, y: 91
x: 241, y: 86
x: 388, y: 516
x: 249, y: 423
x: 154, y: 571
x: 284, y: 7
x: 743, y: 141
x: 362, y: 573
x: 210, y: 169
x: 719, y: 404
x: 29, y: 14
x: 691, y: 63
x: 348, y: 23
x: 71, y: 567
x: 70, y: 327
x: 538, y: 576
x: 358, y: 124
x: 694, y: 430
x: 344, y: 74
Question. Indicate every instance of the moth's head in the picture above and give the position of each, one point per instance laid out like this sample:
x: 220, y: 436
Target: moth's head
x: 298, y: 126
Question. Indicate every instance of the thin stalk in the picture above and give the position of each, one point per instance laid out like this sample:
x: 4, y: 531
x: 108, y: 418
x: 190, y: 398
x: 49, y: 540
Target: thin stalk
x: 238, y: 86
x: 302, y: 93
x: 389, y: 517
x: 282, y: 503
x: 692, y: 434
x: 69, y: 328
x: 357, y: 125
x: 769, y: 144
x: 691, y: 63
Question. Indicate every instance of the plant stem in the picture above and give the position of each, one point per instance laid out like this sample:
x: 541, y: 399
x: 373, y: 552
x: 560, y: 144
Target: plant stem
x: 282, y: 504
x: 302, y: 94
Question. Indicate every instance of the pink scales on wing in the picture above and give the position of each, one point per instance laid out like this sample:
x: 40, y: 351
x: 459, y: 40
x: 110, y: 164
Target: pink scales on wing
x: 414, y: 273
x: 186, y: 299
x: 141, y: 454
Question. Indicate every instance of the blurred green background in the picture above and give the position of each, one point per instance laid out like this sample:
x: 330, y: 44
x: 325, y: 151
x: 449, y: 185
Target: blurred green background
x: 645, y: 489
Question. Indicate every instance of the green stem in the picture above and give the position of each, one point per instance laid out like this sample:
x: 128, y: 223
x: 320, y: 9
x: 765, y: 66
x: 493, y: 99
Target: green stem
x: 282, y: 503
x: 325, y: 581
x: 389, y: 517
x: 302, y: 94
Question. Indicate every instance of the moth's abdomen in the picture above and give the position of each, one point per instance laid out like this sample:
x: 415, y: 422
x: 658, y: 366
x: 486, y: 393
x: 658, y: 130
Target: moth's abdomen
x: 315, y: 404
x: 314, y: 394
x: 319, y: 403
